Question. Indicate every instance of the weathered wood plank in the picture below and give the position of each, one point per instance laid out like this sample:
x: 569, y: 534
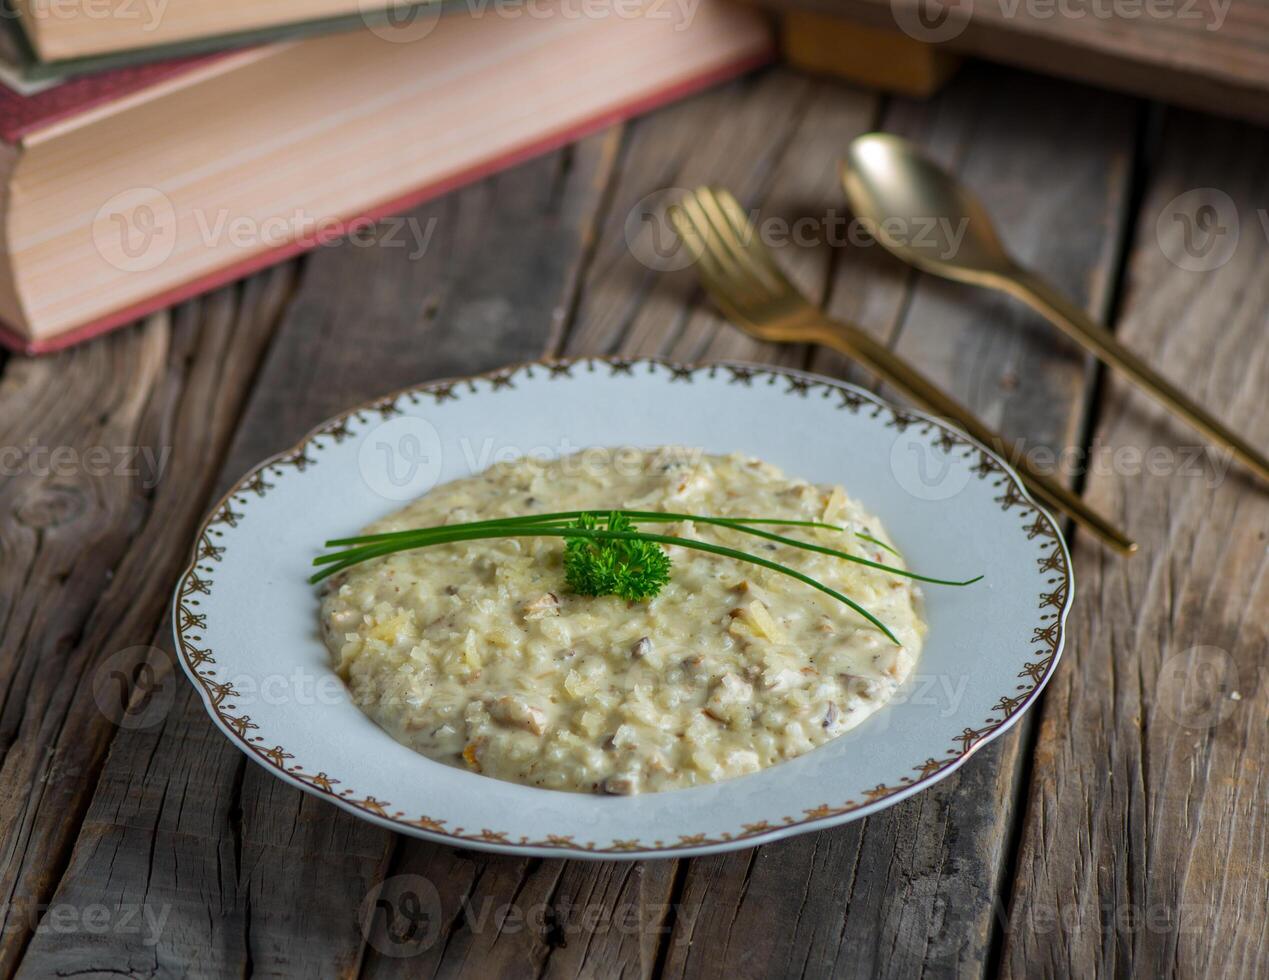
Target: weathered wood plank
x: 1147, y: 829
x: 108, y: 448
x: 912, y: 890
x: 184, y: 828
x: 733, y: 136
x: 249, y: 875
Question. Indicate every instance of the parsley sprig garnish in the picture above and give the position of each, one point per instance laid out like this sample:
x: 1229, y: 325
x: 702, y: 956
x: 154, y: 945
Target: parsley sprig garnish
x: 632, y: 569
x: 606, y: 554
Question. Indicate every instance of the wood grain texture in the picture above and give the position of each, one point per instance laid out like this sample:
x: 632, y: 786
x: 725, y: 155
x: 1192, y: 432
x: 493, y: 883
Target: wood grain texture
x: 1146, y: 840
x: 912, y: 890
x: 223, y: 870
x: 107, y: 451
x: 244, y: 873
x: 733, y: 136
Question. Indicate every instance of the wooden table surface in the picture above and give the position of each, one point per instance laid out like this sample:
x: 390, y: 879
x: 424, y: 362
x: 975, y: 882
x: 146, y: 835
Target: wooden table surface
x: 1122, y: 827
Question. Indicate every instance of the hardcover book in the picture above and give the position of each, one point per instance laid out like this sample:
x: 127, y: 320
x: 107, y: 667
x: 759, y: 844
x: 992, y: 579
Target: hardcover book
x: 60, y: 38
x: 125, y: 192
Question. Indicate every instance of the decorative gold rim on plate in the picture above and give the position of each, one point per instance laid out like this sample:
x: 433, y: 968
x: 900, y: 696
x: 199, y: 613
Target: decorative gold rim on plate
x: 199, y: 661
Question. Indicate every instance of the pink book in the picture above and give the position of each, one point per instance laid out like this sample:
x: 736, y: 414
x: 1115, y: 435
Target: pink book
x: 132, y: 190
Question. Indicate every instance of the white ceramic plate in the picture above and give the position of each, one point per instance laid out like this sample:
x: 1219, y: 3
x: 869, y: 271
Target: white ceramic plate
x: 247, y: 632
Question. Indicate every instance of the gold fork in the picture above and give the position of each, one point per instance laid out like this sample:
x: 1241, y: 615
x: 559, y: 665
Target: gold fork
x: 747, y: 286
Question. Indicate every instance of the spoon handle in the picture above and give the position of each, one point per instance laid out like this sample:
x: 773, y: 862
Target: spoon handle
x: 1070, y: 318
x: 887, y: 365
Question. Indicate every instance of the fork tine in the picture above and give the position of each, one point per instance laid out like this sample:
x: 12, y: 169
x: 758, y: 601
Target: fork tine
x: 697, y: 241
x: 721, y: 287
x: 687, y: 230
x: 691, y: 207
x: 691, y: 234
x: 748, y: 235
x: 726, y: 240
x: 729, y: 276
x: 741, y: 239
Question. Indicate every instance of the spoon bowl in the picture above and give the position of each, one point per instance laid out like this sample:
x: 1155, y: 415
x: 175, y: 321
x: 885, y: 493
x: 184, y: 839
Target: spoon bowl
x: 920, y: 212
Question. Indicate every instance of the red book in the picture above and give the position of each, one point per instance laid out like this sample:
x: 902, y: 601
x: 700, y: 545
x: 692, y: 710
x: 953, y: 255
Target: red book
x: 129, y: 191
x: 23, y: 114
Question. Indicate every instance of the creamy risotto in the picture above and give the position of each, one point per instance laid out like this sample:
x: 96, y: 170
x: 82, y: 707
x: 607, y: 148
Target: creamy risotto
x: 476, y: 655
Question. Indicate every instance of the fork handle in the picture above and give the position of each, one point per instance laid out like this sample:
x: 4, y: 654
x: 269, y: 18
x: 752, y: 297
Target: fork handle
x: 889, y: 367
x: 1077, y: 324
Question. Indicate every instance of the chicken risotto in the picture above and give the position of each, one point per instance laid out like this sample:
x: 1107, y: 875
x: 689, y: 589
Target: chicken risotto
x: 477, y: 654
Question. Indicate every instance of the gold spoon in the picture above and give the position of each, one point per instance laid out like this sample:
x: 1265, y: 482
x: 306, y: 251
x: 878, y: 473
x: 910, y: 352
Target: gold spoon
x: 927, y: 218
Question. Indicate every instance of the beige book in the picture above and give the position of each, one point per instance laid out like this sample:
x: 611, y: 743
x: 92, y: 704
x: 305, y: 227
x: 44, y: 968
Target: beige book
x: 65, y: 29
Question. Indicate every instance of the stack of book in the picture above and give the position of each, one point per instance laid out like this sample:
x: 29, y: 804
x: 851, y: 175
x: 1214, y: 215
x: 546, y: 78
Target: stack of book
x: 152, y: 149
